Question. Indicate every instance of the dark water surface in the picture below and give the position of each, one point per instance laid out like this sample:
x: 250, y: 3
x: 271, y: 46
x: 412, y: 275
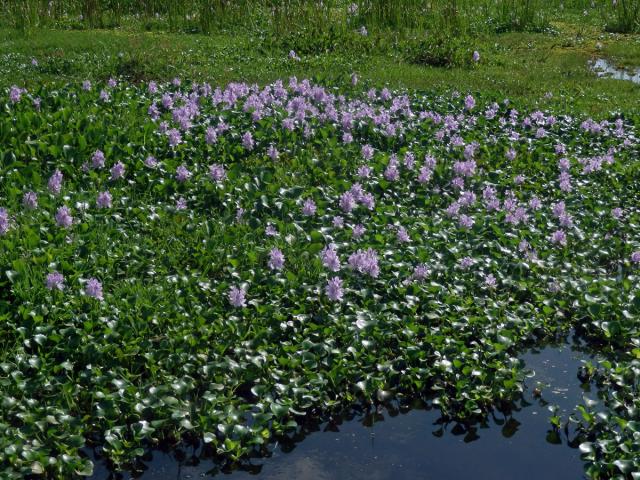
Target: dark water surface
x: 412, y: 444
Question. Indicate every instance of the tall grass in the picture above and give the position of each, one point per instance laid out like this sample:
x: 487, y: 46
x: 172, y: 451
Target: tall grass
x: 285, y: 16
x: 623, y: 16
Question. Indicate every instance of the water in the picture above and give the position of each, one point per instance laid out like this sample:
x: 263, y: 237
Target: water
x: 604, y: 68
x: 414, y: 444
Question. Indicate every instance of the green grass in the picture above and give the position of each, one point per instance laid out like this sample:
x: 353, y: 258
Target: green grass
x: 519, y: 65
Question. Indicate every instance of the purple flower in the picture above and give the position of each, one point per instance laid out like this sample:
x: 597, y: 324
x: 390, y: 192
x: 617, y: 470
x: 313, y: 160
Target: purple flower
x: 104, y: 200
x: 55, y: 182
x: 270, y: 231
x: 635, y: 257
x: 466, y: 262
x: 365, y: 262
x: 402, y: 235
x: 364, y: 171
x: 616, y: 213
x: 565, y: 220
x: 469, y: 102
x: 237, y: 297
x: 276, y: 259
x: 330, y: 258
x: 356, y: 191
x: 94, y: 288
x: 490, y: 281
x: 338, y: 221
x: 466, y: 221
x: 467, y: 198
x: 409, y: 160
x: 519, y: 180
x: 564, y: 164
x: 558, y: 209
x: 511, y: 154
x: 153, y: 112
x: 420, y: 272
x: 4, y: 221
x: 211, y: 136
x: 151, y: 161
x: 63, y: 217
x: 111, y: 83
x: 216, y: 172
x: 391, y: 173
x: 55, y: 281
x: 15, y: 93
x: 535, y: 203
x: 559, y: 237
x: 368, y: 200
x: 34, y: 62
x: 347, y: 202
x: 288, y: 124
x: 97, y: 159
x: 465, y: 169
x: 30, y: 200
x: 247, y: 141
x: 358, y: 231
x: 476, y: 56
x: 176, y: 82
x: 430, y: 162
x: 517, y: 216
x: 457, y: 182
x: 565, y: 181
x: 273, y: 153
x: 175, y: 137
x: 452, y: 210
x: 104, y: 95
x: 117, y: 171
x: 86, y: 85
x: 181, y: 204
x: 334, y: 289
x: 469, y: 150
x: 309, y: 207
x: 167, y: 101
x: 182, y: 173
x: 293, y: 56
x: 425, y: 175
x: 367, y: 152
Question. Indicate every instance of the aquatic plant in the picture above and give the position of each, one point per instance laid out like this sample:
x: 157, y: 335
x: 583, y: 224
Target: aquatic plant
x: 220, y: 261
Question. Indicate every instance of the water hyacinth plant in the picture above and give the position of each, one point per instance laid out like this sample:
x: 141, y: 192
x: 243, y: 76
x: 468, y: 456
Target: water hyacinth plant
x: 249, y: 255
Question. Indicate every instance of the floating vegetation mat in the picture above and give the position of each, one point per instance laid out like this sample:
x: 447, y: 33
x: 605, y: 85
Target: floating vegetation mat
x: 183, y: 261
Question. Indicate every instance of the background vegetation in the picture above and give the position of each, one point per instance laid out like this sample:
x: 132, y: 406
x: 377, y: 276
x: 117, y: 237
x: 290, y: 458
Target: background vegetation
x: 528, y: 49
x: 207, y: 16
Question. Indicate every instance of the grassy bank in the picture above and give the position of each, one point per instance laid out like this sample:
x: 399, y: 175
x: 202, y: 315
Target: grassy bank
x: 536, y: 66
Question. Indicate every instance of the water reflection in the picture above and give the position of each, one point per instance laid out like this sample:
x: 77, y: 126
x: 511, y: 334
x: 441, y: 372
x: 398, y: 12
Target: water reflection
x: 413, y: 441
x: 604, y: 68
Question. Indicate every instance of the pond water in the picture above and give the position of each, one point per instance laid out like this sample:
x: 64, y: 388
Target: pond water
x: 412, y: 443
x: 604, y: 68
